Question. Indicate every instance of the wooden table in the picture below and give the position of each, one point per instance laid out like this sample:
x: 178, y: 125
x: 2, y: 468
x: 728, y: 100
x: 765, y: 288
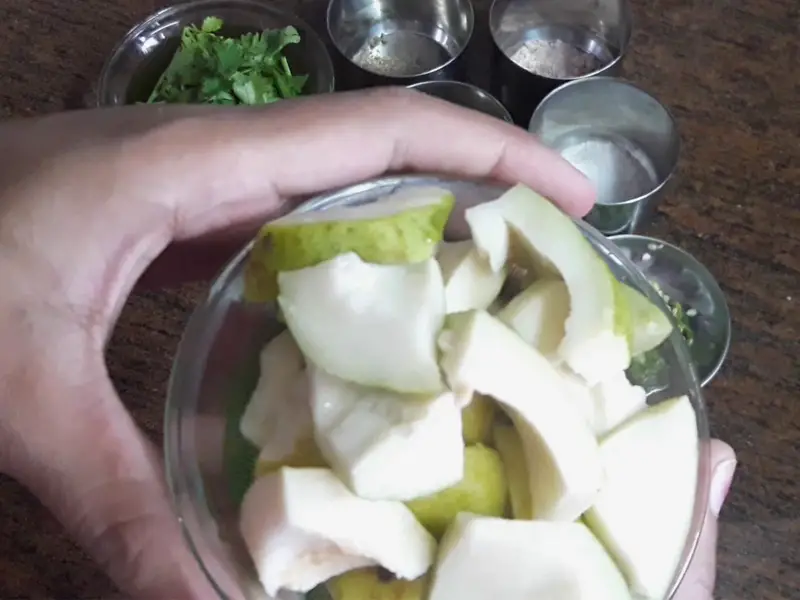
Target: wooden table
x: 727, y: 69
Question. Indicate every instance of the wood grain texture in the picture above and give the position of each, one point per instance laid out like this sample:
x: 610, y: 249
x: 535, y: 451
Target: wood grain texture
x: 726, y: 68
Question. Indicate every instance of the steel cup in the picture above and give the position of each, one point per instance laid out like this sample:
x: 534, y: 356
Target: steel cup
x: 624, y: 140
x: 466, y: 95
x: 685, y: 279
x: 541, y: 44
x: 398, y: 42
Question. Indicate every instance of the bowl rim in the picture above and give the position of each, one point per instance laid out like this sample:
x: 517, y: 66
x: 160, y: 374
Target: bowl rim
x: 469, y: 13
x: 708, y: 280
x: 175, y: 9
x: 421, y: 86
x: 629, y: 23
x: 183, y: 475
x: 621, y: 81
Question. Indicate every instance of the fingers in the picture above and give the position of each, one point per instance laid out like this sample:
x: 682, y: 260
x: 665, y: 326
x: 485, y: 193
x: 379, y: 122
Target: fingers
x: 231, y: 166
x: 85, y: 459
x: 146, y: 174
x: 698, y: 583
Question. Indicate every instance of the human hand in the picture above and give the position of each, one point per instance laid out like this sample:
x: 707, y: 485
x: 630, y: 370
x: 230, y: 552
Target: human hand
x: 88, y: 200
x: 698, y: 583
x: 92, y: 202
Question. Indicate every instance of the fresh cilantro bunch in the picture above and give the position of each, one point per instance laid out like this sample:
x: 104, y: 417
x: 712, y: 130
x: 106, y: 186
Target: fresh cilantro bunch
x: 209, y: 68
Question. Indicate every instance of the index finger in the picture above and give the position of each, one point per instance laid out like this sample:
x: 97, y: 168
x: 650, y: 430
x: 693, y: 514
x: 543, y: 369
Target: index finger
x: 234, y: 163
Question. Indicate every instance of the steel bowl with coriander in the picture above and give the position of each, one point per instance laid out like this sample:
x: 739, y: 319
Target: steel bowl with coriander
x: 692, y: 294
x: 216, y: 52
x: 622, y: 138
x: 398, y: 42
x: 542, y: 44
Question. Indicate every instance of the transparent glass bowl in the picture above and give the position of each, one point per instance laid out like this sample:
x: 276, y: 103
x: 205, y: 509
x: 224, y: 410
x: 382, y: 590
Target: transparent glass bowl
x: 208, y: 463
x: 141, y: 56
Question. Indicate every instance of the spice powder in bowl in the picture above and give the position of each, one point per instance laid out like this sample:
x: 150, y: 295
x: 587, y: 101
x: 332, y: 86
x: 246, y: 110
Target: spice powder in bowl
x: 556, y: 59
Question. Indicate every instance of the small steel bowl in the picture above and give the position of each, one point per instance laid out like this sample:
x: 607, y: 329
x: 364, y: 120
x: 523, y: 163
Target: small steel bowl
x: 574, y: 40
x: 141, y: 56
x: 622, y: 138
x: 398, y: 42
x: 466, y: 95
x: 684, y: 279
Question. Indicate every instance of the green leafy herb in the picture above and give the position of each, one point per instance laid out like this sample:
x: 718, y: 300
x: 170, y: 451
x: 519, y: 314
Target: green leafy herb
x: 650, y: 369
x: 647, y: 369
x: 681, y: 315
x: 210, y: 68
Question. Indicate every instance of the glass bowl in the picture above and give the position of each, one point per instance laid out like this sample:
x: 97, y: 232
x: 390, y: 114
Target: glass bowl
x: 208, y: 463
x: 141, y: 56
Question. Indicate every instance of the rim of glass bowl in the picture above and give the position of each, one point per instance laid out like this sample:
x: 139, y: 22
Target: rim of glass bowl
x: 183, y: 473
x: 159, y: 19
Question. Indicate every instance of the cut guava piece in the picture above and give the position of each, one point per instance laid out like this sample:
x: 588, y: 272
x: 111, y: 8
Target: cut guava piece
x: 561, y: 452
x: 375, y: 325
x: 596, y: 331
x: 468, y: 281
x: 644, y: 512
x: 385, y: 445
x: 539, y: 314
x: 483, y: 490
x: 483, y: 557
x: 402, y: 228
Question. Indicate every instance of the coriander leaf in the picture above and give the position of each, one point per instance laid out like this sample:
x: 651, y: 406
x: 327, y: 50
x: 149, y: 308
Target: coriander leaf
x: 254, y: 89
x: 649, y: 370
x: 277, y: 39
x: 229, y: 57
x: 677, y: 310
x: 211, y: 86
x: 255, y: 47
x: 212, y: 24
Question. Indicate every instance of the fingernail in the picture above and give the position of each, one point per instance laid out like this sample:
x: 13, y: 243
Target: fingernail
x: 720, y: 484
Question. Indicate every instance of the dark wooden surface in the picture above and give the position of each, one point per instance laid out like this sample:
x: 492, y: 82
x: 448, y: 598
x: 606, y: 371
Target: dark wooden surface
x: 728, y: 70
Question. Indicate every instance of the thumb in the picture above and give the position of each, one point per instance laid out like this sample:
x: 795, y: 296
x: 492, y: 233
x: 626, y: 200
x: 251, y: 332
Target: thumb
x: 77, y: 449
x: 698, y: 583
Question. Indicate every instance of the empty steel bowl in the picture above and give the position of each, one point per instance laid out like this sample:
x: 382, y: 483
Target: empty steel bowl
x: 541, y: 44
x: 397, y: 42
x: 466, y: 95
x: 684, y: 279
x: 139, y: 59
x: 622, y: 138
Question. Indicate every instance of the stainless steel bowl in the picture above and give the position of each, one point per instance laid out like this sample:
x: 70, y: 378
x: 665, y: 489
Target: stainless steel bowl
x: 621, y: 138
x: 541, y: 44
x: 397, y: 42
x: 140, y: 57
x: 466, y: 95
x: 683, y: 278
